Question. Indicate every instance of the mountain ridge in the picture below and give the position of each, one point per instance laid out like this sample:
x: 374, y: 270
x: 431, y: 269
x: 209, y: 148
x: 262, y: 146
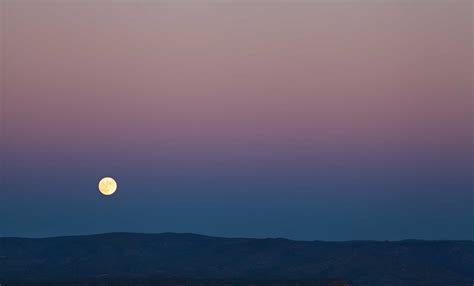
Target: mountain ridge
x: 235, y: 237
x: 405, y: 262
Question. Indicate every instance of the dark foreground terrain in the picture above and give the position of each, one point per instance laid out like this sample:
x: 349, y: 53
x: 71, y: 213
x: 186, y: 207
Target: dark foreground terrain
x: 153, y: 259
x: 170, y: 281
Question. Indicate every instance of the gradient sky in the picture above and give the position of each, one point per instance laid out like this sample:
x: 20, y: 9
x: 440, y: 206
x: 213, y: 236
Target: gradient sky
x: 331, y: 120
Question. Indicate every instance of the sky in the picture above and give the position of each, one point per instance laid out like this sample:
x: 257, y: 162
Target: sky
x: 312, y: 120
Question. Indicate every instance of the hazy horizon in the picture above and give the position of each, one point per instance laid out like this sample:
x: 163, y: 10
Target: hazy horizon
x: 230, y: 237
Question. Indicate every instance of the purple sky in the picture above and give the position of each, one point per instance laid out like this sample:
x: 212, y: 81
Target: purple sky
x: 303, y: 119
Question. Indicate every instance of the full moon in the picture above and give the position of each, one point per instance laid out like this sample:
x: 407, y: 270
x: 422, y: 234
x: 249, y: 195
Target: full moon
x: 107, y: 186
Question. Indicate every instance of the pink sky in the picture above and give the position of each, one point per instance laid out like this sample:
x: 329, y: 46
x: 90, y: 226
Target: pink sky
x: 344, y: 88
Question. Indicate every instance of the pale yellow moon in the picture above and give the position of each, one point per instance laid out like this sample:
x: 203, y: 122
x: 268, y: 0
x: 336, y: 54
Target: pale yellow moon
x: 107, y: 186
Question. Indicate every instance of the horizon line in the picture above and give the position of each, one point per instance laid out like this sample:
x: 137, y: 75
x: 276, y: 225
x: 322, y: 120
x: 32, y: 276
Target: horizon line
x: 231, y: 237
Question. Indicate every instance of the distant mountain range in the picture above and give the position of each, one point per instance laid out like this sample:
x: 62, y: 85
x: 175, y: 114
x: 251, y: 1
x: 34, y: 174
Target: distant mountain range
x: 204, y: 258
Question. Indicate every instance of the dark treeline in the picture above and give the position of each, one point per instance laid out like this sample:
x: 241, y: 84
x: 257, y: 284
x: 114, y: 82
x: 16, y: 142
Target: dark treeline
x: 139, y: 256
x: 160, y: 281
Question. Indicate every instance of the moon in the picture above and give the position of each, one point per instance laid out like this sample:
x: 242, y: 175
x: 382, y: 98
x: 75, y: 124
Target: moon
x: 107, y: 186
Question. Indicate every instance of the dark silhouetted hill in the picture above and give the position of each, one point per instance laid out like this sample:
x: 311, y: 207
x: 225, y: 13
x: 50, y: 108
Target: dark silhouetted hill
x: 362, y: 263
x: 135, y: 280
